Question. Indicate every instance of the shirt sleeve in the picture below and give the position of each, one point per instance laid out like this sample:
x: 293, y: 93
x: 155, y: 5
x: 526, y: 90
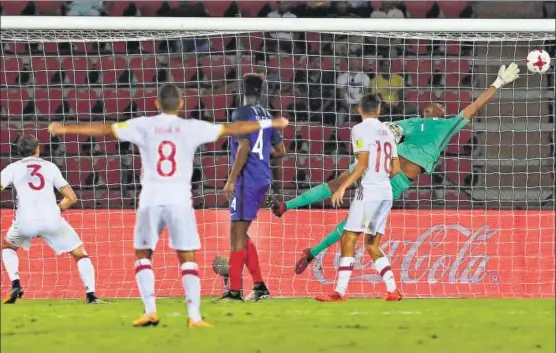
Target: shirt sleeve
x: 59, y: 181
x: 206, y: 132
x: 459, y: 122
x: 359, y: 141
x: 6, y: 177
x: 129, y: 131
x: 276, y: 137
x: 241, y: 114
x: 404, y: 124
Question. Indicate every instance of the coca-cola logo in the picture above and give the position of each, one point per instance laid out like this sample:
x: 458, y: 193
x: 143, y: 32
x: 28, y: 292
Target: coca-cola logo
x: 447, y: 253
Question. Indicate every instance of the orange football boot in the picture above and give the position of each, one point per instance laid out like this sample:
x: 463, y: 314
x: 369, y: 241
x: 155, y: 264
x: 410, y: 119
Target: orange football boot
x: 334, y: 297
x: 200, y: 323
x: 146, y: 320
x: 394, y: 296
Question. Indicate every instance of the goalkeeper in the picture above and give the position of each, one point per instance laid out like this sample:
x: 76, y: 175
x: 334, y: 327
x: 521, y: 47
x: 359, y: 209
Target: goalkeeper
x: 420, y: 143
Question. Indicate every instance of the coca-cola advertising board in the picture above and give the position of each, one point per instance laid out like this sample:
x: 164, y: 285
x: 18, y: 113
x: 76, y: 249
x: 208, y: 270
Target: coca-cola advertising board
x: 434, y: 253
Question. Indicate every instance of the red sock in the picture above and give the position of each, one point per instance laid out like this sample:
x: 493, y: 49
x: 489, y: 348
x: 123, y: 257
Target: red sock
x: 237, y: 259
x: 252, y: 262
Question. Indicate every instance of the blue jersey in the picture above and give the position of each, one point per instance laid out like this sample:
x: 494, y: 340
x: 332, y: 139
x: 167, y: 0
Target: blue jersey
x: 256, y: 171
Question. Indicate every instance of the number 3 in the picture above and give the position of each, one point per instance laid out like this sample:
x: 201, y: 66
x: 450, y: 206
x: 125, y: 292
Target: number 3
x: 258, y: 147
x: 35, y: 173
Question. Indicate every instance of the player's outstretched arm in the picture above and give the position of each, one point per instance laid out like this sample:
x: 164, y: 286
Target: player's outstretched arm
x: 81, y: 129
x: 69, y: 198
x: 358, y: 171
x: 247, y: 127
x: 505, y: 75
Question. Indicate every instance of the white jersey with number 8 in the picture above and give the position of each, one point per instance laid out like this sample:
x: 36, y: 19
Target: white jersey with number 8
x: 374, y: 137
x: 167, y: 145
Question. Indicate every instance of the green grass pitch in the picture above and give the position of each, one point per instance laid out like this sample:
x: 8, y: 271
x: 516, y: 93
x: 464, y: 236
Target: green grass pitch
x: 284, y: 326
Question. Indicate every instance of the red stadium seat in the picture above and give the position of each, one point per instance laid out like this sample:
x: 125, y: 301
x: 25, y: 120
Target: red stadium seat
x: 456, y: 71
x: 421, y: 98
x: 455, y: 101
x: 76, y: 69
x: 252, y: 8
x: 314, y: 41
x: 452, y: 9
x: 419, y: 71
x: 81, y: 101
x: 17, y: 48
x: 145, y: 100
x: 286, y: 67
x: 39, y: 130
x: 418, y: 9
x: 289, y: 133
x: 423, y: 180
x: 458, y: 141
x: 115, y: 101
x: 117, y: 7
x: 218, y: 105
x: 112, y: 68
x: 344, y: 162
x: 457, y: 170
x: 47, y: 101
x: 247, y: 65
x: 14, y: 100
x: 215, y: 67
x: 282, y: 103
x: 149, y: 8
x: 51, y: 8
x: 109, y: 169
x: 219, y: 44
x: 144, y: 69
x: 9, y: 69
x: 419, y: 46
x: 215, y: 170
x: 252, y: 41
x: 214, y: 200
x: 191, y: 101
x: 8, y: 134
x: 14, y: 8
x: 183, y: 72
x: 77, y: 169
x: 44, y: 67
x: 217, y: 8
x: 453, y: 48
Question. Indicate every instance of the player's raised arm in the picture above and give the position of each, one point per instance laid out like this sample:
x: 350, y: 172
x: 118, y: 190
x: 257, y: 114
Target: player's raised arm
x: 80, y: 129
x: 247, y: 127
x: 505, y: 75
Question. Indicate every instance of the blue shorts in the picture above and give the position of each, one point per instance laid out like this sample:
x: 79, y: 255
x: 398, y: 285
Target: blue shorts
x: 246, y: 201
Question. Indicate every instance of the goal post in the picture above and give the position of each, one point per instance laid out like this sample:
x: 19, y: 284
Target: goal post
x: 481, y: 225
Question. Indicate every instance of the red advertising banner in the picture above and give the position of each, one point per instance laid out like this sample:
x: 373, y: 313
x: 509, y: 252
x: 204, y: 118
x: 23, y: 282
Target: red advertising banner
x: 434, y: 253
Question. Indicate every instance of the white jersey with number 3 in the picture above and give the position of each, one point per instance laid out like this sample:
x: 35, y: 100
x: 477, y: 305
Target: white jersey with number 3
x: 374, y: 137
x: 167, y: 145
x: 34, y: 180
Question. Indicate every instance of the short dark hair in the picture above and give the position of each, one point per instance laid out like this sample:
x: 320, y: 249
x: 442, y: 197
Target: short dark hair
x: 169, y: 98
x: 369, y: 103
x: 253, y: 85
x: 27, y: 145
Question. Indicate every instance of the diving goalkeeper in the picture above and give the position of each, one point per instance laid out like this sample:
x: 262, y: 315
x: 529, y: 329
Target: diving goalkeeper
x: 423, y: 141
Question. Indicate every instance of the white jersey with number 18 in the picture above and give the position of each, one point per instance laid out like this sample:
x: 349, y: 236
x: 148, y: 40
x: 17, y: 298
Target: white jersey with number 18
x: 34, y: 180
x: 167, y: 145
x: 374, y: 137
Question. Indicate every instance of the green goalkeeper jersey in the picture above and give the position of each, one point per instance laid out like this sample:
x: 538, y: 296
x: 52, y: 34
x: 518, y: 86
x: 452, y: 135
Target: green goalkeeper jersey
x: 426, y: 138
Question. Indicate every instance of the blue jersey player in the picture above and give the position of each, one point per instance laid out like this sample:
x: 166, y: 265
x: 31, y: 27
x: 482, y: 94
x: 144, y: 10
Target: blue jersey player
x: 247, y: 186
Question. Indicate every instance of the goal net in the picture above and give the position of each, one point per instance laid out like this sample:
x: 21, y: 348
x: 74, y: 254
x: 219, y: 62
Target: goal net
x: 481, y: 225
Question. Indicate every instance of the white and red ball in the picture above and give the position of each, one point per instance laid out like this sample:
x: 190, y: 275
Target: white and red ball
x: 538, y: 61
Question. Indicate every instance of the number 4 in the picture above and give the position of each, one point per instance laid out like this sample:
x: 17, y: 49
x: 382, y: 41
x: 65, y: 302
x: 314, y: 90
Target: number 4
x: 258, y: 147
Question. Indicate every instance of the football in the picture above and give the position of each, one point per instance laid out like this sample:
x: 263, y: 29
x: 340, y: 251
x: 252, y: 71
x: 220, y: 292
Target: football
x: 538, y: 61
x: 220, y: 266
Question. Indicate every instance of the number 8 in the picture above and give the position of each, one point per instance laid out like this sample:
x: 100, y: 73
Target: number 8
x: 162, y: 157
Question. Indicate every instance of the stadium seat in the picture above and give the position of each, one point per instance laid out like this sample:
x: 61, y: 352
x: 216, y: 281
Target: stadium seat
x: 191, y: 101
x: 77, y: 169
x: 252, y: 8
x: 283, y: 65
x: 457, y: 170
x: 218, y: 44
x: 216, y: 8
x: 109, y: 169
x: 456, y: 71
x: 452, y: 48
x: 252, y: 41
x: 145, y: 100
x: 215, y: 67
x: 144, y: 69
x: 39, y: 130
x: 314, y: 41
x: 421, y: 98
x: 247, y: 65
x: 149, y: 8
x: 215, y: 170
x: 218, y: 105
x: 117, y: 7
x: 112, y: 68
x: 418, y: 9
x: 452, y: 9
x: 51, y: 8
x: 459, y: 141
x: 14, y: 101
x: 76, y: 69
x: 419, y: 46
x: 14, y: 8
x: 115, y: 101
x: 423, y: 180
x: 214, y: 200
x: 455, y: 101
x: 47, y: 101
x: 289, y: 133
x: 17, y: 48
x: 81, y: 101
x: 419, y: 71
x: 282, y: 103
x: 44, y: 67
x: 9, y: 70
x: 8, y: 134
x: 183, y: 72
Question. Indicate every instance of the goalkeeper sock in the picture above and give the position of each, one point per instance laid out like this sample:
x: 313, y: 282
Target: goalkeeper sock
x: 344, y: 274
x: 329, y: 240
x: 11, y: 263
x: 237, y: 259
x: 87, y: 274
x: 382, y: 265
x: 192, y: 287
x: 252, y: 261
x: 318, y: 193
x: 145, y: 282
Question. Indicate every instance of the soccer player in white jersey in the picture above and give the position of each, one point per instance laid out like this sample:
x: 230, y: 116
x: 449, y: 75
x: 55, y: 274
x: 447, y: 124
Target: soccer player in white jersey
x: 374, y: 146
x: 167, y: 144
x: 38, y: 215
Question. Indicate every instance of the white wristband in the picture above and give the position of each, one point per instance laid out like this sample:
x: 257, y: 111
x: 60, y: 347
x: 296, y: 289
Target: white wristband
x: 265, y: 124
x: 498, y: 83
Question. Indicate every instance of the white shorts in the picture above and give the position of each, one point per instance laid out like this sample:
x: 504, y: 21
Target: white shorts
x: 180, y: 221
x: 368, y: 216
x: 59, y: 236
